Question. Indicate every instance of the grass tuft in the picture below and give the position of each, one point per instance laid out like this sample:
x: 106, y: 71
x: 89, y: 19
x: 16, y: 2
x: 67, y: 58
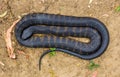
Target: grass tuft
x: 92, y: 65
x: 52, y: 53
x: 117, y: 9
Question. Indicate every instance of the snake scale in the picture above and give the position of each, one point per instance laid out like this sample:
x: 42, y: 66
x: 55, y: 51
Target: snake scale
x: 56, y: 28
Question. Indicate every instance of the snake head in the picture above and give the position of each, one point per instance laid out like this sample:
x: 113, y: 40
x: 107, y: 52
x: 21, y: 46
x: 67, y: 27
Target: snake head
x: 26, y: 34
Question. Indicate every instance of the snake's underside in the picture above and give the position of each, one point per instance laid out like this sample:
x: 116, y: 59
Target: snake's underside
x: 56, y: 28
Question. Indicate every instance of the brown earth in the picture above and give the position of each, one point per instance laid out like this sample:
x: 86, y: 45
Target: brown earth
x: 61, y: 65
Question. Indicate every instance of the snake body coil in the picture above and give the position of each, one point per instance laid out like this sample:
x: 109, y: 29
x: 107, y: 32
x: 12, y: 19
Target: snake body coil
x: 60, y: 26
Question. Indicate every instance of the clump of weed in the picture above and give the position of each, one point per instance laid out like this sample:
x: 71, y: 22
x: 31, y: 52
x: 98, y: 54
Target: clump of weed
x: 52, y: 53
x: 117, y: 9
x: 92, y: 65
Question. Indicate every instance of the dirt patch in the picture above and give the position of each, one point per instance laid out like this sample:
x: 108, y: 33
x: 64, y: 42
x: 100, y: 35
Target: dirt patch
x: 61, y: 65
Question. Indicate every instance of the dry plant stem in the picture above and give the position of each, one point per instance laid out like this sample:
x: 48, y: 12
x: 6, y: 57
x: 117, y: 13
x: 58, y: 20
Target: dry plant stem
x: 3, y: 15
x: 23, y: 53
x: 1, y: 63
x: 91, y: 74
x: 94, y: 74
x: 90, y: 1
x: 8, y: 41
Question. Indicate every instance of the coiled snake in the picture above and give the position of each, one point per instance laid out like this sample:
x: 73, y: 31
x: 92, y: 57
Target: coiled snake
x: 59, y: 27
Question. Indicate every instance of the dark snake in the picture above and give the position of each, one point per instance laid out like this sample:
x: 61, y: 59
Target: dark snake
x: 56, y: 28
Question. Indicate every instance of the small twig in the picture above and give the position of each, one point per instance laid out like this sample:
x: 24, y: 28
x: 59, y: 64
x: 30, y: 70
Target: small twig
x: 95, y: 74
x: 90, y: 1
x: 23, y: 53
x: 43, y: 1
x: 8, y: 41
x: 3, y: 15
x: 2, y: 63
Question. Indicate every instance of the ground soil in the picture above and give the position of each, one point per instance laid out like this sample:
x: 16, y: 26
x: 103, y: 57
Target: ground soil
x: 60, y: 65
